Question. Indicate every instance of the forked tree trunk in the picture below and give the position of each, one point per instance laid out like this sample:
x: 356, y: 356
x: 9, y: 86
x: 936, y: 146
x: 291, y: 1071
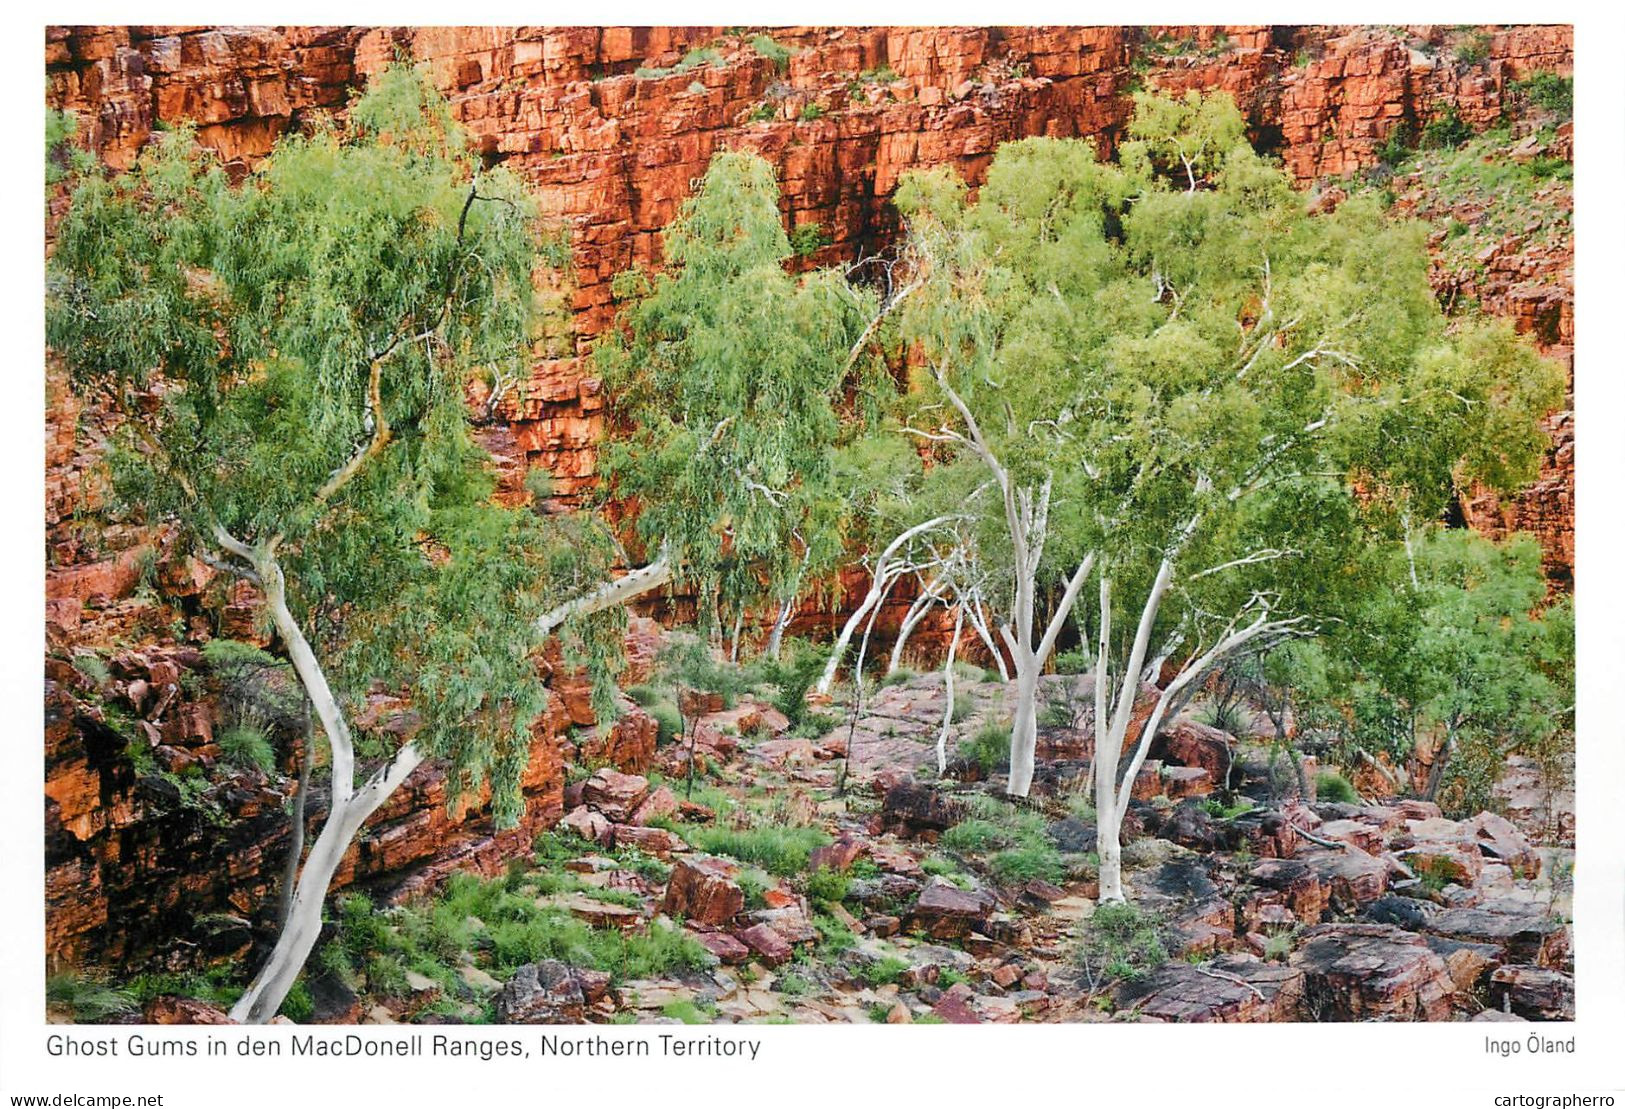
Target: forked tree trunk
x: 885, y: 575
x: 349, y: 806
x: 1111, y: 795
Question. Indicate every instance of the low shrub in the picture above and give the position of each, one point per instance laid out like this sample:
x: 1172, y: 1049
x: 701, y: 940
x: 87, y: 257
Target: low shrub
x: 775, y: 848
x: 247, y: 747
x: 1332, y: 786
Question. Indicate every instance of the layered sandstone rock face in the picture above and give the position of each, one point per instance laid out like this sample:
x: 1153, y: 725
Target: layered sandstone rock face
x: 610, y: 126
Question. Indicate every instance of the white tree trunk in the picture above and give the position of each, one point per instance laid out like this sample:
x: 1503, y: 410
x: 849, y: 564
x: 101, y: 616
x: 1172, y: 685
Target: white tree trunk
x: 911, y: 620
x: 1029, y: 663
x: 775, y: 639
x: 304, y: 924
x: 349, y: 807
x: 1024, y: 728
x: 948, y: 692
x: 884, y: 576
x: 980, y: 624
x: 623, y: 590
x: 1111, y: 796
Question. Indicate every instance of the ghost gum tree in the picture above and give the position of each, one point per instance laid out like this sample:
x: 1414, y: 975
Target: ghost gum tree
x: 1188, y: 391
x: 289, y: 357
x: 726, y: 377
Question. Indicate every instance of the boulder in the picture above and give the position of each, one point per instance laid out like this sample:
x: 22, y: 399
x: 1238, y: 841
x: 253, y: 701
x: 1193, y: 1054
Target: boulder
x: 589, y: 825
x: 1526, y: 935
x: 549, y: 992
x: 1351, y: 877
x: 660, y: 803
x: 1290, y: 883
x: 772, y: 948
x: 1499, y: 839
x: 1190, y: 744
x: 839, y: 855
x: 614, y: 794
x: 723, y: 946
x: 1533, y: 993
x: 1232, y: 988
x: 914, y: 810
x: 702, y: 889
x: 656, y: 841
x: 946, y: 912
x: 1371, y: 972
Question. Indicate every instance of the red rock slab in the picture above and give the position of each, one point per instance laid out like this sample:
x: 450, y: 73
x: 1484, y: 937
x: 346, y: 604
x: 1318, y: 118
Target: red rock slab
x: 1455, y: 862
x: 702, y: 888
x: 614, y: 794
x: 589, y: 825
x: 1371, y: 972
x: 1533, y: 993
x: 947, y: 912
x: 1237, y: 989
x: 772, y: 948
x: 656, y: 841
x: 183, y: 1010
x: 1527, y: 935
x: 1191, y: 744
x: 1352, y: 877
x: 661, y: 802
x: 955, y: 1010
x: 723, y: 946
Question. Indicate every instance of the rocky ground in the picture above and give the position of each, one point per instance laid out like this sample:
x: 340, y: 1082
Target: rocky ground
x: 770, y: 896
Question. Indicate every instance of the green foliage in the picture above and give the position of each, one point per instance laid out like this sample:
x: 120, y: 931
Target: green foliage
x: 792, y: 674
x: 669, y: 721
x: 1332, y: 786
x: 312, y: 331
x: 792, y: 985
x: 774, y: 52
x: 825, y: 884
x: 723, y: 382
x: 1397, y: 146
x: 1034, y: 859
x: 1121, y: 941
x: 884, y: 972
x: 1277, y: 947
x: 1548, y: 91
x: 812, y: 110
x: 1056, y: 713
x: 1472, y: 47
x: 63, y: 157
x: 989, y: 748
x: 964, y: 705
x: 808, y: 239
x: 1465, y: 661
x: 690, y: 1012
x: 1189, y: 137
x: 93, y: 669
x: 1446, y: 132
x: 776, y: 848
x: 502, y: 923
x: 694, y: 59
x: 1220, y: 387
x: 246, y: 746
x: 87, y: 998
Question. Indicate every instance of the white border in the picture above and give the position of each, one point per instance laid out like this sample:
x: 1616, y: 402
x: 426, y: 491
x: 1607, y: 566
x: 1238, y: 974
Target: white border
x: 1331, y: 1065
